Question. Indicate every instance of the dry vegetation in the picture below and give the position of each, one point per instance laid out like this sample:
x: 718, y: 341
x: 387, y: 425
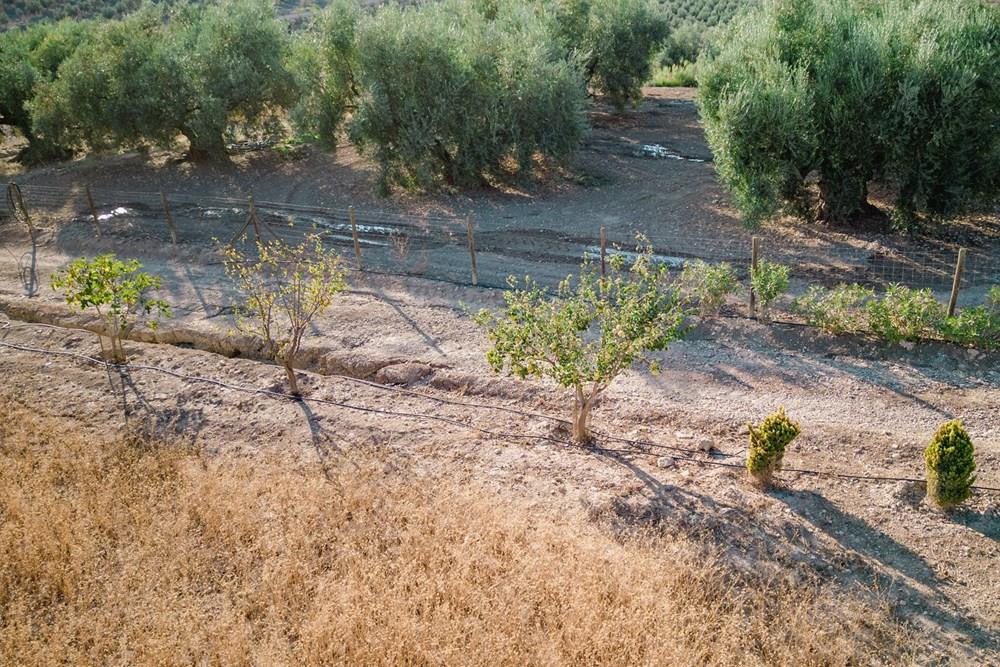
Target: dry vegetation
x: 132, y: 552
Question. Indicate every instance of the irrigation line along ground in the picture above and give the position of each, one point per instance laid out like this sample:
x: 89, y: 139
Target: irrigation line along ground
x: 509, y: 437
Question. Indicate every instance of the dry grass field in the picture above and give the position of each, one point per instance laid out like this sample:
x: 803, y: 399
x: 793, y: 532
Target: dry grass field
x: 129, y: 551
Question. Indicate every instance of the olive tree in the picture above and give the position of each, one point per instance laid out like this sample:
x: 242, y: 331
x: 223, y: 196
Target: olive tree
x: 806, y: 103
x: 118, y: 291
x: 284, y: 289
x: 442, y: 93
x: 589, y: 332
x: 152, y: 77
x: 615, y: 40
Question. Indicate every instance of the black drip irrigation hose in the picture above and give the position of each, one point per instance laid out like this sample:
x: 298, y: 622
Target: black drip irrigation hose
x: 510, y: 437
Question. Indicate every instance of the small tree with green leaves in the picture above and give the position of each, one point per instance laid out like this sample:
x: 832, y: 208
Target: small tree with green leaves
x: 769, y: 281
x: 709, y: 284
x: 767, y: 445
x: 950, y: 459
x: 117, y: 291
x: 590, y: 332
x: 285, y: 288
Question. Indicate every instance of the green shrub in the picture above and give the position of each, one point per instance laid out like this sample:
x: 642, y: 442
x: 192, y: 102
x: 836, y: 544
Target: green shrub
x: 708, y: 284
x: 675, y: 76
x: 480, y: 96
x: 840, y: 310
x: 807, y: 102
x: 767, y: 445
x: 950, y: 460
x: 906, y: 314
x: 769, y: 281
x: 978, y: 326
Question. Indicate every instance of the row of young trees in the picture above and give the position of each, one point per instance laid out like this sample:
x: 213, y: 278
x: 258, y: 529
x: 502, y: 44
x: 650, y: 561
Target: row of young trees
x: 453, y: 92
x: 592, y: 330
x: 808, y: 103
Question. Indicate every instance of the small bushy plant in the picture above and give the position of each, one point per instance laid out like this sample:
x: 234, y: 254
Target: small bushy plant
x: 767, y: 445
x: 950, y: 460
x: 839, y: 310
x: 906, y: 314
x: 117, y: 291
x: 978, y: 326
x: 709, y: 284
x: 769, y: 281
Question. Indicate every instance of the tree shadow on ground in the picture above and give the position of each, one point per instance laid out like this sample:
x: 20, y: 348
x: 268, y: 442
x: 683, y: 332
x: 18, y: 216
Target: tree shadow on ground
x: 177, y: 422
x: 825, y: 539
x: 984, y: 523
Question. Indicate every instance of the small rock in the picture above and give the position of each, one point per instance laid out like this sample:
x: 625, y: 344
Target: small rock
x: 908, y: 345
x: 706, y: 445
x: 684, y: 435
x: 665, y: 462
x: 405, y: 373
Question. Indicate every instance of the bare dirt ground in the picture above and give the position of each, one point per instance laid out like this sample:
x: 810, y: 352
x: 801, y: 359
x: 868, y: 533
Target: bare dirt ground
x: 865, y: 408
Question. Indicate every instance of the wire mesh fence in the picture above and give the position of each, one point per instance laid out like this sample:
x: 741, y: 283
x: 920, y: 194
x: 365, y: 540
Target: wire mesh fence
x: 485, y: 253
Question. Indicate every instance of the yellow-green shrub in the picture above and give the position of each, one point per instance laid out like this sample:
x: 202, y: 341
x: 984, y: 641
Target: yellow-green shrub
x: 767, y: 445
x: 950, y: 460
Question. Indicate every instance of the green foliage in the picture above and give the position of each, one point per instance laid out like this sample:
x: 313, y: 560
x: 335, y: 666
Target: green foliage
x: 978, y: 326
x: 809, y: 101
x: 590, y: 332
x: 767, y: 445
x: 285, y: 288
x: 906, y: 314
x: 769, y: 281
x: 708, y: 284
x: 148, y: 79
x: 117, y: 291
x: 950, y: 461
x: 675, y: 76
x: 324, y: 61
x: 840, y: 310
x: 616, y: 40
x: 480, y: 96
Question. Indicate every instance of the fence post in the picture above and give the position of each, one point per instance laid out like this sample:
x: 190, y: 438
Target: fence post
x: 754, y: 254
x: 93, y: 209
x: 253, y: 218
x: 354, y: 235
x: 472, y: 251
x: 169, y: 218
x: 956, y: 283
x: 604, y: 252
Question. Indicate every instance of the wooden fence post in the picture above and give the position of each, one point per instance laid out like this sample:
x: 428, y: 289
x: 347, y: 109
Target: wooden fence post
x: 754, y: 254
x: 169, y: 218
x: 604, y: 252
x: 956, y: 283
x: 93, y: 209
x: 472, y: 251
x: 354, y: 235
x: 253, y: 218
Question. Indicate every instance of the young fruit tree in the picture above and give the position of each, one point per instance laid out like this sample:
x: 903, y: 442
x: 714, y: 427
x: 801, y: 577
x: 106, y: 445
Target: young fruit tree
x: 590, y: 332
x: 285, y: 288
x: 118, y: 292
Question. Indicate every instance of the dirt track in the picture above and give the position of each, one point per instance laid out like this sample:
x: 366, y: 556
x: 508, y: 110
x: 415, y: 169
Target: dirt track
x: 865, y: 408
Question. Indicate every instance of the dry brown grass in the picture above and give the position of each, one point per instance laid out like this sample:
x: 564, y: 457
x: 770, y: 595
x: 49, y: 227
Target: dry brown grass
x: 134, y: 553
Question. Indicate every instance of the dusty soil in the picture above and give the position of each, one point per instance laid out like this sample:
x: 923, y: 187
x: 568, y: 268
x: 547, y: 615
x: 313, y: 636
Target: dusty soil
x: 865, y: 408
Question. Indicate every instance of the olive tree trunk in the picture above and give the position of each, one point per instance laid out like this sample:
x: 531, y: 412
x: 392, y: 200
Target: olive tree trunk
x: 583, y: 405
